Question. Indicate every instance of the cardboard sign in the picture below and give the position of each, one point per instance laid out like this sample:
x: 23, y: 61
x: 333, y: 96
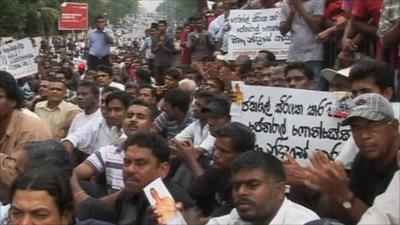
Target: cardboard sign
x: 292, y: 121
x: 74, y: 16
x: 18, y: 58
x: 255, y: 30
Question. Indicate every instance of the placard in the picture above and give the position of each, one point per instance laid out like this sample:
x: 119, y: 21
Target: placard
x: 18, y: 58
x: 74, y: 16
x: 255, y: 30
x: 291, y: 120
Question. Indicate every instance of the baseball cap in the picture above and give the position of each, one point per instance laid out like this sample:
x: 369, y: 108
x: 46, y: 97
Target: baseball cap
x: 82, y: 65
x: 219, y: 105
x: 370, y: 106
x: 329, y: 74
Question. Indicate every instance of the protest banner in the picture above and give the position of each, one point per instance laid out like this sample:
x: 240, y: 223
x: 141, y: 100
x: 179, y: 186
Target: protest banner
x: 18, y: 58
x: 255, y: 30
x: 74, y: 16
x: 291, y: 120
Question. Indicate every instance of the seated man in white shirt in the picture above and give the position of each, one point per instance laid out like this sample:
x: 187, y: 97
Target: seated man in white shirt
x: 109, y: 159
x: 190, y: 139
x: 88, y: 100
x: 101, y: 132
x: 258, y: 191
x: 104, y: 78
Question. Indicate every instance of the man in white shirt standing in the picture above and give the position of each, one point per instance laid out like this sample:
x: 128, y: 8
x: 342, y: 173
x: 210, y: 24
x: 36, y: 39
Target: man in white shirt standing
x: 258, y: 191
x: 88, y: 100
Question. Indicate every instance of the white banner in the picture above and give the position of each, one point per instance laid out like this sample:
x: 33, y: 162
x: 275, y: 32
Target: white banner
x: 291, y: 120
x: 18, y: 58
x: 255, y: 30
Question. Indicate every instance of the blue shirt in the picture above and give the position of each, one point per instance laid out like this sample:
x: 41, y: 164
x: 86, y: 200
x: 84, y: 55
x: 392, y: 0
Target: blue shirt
x: 98, y: 44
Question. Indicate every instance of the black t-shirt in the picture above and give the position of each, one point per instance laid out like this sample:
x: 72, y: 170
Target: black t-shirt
x: 213, y: 193
x: 366, y: 182
x: 132, y: 209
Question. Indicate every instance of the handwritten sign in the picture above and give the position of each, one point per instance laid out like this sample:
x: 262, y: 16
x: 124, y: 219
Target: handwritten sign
x: 291, y: 121
x: 255, y: 30
x: 18, y: 58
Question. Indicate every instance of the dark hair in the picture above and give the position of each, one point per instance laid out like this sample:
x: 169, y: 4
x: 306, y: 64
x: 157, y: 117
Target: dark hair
x: 105, y: 69
x: 149, y: 86
x: 196, y: 18
x: 163, y: 22
x: 154, y: 26
x: 91, y: 85
x: 302, y: 67
x: 271, y: 165
x: 142, y: 103
x: 156, y: 143
x: 382, y: 74
x: 144, y: 75
x: 131, y: 84
x: 49, y: 153
x: 99, y: 17
x: 49, y: 179
x: 121, y: 96
x: 178, y: 98
x: 109, y: 89
x: 10, y: 87
x: 206, y: 95
x: 219, y: 82
x: 174, y: 73
x: 270, y: 56
x: 243, y: 139
x: 66, y: 72
x: 247, y: 64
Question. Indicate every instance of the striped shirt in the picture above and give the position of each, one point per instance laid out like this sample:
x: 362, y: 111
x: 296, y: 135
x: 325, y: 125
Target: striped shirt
x: 109, y: 160
x: 170, y: 128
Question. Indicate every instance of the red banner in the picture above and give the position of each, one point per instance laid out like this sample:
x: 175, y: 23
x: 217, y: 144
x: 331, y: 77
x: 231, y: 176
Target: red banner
x: 74, y: 16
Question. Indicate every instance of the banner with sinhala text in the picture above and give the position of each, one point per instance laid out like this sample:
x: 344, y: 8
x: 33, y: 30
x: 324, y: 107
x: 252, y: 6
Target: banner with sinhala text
x: 291, y: 121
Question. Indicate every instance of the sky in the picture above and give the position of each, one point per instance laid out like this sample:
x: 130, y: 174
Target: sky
x: 150, y: 5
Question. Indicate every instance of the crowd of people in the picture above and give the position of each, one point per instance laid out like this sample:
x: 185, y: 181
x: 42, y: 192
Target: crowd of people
x: 81, y: 139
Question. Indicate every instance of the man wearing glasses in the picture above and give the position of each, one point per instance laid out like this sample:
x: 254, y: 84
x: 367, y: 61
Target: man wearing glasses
x: 99, y: 42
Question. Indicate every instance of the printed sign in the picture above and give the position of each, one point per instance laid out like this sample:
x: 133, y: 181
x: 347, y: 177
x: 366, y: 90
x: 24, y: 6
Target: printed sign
x: 18, y: 58
x: 74, y: 16
x: 255, y: 30
x: 291, y: 120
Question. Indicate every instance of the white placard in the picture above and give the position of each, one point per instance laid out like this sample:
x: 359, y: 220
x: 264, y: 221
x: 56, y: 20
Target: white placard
x: 18, y: 58
x: 255, y: 30
x: 291, y: 121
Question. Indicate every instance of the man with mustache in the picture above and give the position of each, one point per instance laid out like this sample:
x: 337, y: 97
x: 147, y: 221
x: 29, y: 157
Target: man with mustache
x: 258, y: 191
x: 211, y: 189
x: 146, y: 159
x: 108, y: 160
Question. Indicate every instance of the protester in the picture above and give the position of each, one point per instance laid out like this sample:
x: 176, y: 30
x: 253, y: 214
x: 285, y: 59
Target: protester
x: 99, y: 43
x: 257, y: 178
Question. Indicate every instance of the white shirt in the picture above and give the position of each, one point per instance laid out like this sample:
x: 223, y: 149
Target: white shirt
x: 350, y: 149
x: 117, y: 85
x: 208, y: 144
x: 216, y: 25
x: 195, y: 133
x: 386, y: 207
x: 91, y: 137
x: 289, y: 213
x: 4, y: 211
x: 82, y: 118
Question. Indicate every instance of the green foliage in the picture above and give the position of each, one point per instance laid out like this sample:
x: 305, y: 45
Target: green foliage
x: 20, y: 18
x: 178, y: 9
